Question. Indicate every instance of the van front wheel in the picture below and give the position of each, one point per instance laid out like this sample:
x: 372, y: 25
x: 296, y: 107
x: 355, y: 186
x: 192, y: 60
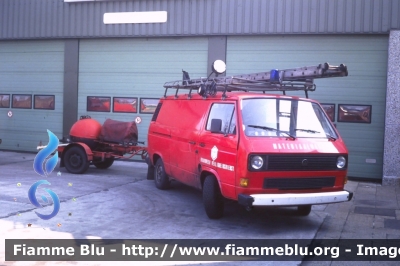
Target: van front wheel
x: 160, y: 177
x: 212, y: 198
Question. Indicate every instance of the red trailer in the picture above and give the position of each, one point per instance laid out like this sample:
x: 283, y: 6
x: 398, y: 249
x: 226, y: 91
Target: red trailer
x: 93, y: 143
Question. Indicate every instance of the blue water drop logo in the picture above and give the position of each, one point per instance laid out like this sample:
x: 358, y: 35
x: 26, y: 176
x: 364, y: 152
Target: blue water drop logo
x: 34, y: 201
x: 42, y: 164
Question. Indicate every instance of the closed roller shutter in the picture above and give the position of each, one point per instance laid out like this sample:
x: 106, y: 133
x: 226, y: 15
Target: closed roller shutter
x: 135, y: 68
x: 30, y: 68
x: 366, y: 58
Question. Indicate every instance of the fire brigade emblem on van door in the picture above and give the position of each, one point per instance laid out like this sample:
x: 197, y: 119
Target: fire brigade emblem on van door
x: 214, y: 153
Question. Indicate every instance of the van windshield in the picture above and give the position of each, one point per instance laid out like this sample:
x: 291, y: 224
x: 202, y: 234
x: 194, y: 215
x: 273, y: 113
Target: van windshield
x: 284, y: 117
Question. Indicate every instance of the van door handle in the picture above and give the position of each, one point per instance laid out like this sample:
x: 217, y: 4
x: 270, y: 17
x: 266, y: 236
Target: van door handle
x: 192, y: 142
x: 202, y: 144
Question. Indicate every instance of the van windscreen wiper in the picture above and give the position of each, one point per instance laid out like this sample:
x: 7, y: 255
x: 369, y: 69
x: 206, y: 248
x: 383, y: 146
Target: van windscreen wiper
x: 330, y: 137
x: 315, y: 132
x: 272, y: 129
x: 307, y: 130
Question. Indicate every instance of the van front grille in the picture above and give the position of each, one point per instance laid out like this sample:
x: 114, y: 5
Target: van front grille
x: 297, y: 162
x: 299, y: 183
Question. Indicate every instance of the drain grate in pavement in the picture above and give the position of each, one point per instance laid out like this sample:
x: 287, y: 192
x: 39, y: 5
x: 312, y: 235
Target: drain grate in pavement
x: 392, y: 224
x: 375, y: 211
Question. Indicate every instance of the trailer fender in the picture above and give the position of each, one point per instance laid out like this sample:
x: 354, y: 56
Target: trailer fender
x: 86, y: 148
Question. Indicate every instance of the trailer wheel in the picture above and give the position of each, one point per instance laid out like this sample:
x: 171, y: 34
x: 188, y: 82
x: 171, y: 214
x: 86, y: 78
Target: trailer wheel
x: 75, y: 160
x: 212, y: 198
x: 160, y: 177
x: 104, y: 164
x: 303, y: 210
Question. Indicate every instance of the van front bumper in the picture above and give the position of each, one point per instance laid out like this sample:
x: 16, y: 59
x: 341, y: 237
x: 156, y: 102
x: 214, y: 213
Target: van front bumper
x: 294, y: 199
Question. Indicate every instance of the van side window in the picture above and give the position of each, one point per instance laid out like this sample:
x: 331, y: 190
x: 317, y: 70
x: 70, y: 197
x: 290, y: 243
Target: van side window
x: 156, y: 112
x: 227, y: 114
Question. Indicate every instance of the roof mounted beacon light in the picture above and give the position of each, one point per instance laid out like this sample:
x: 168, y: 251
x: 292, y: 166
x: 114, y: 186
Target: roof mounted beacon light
x: 294, y: 79
x: 219, y: 67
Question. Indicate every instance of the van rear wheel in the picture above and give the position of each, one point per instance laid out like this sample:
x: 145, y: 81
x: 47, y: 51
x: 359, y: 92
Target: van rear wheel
x: 212, y: 198
x: 160, y: 177
x: 303, y: 210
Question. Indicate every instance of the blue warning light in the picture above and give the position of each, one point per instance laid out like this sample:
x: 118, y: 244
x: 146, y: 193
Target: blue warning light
x: 274, y: 75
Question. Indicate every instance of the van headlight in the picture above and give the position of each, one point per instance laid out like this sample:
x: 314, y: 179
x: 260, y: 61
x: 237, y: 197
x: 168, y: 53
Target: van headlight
x: 256, y: 162
x: 341, y: 162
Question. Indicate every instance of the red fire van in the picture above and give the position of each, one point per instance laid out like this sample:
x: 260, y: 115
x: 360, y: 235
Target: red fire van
x: 259, y: 149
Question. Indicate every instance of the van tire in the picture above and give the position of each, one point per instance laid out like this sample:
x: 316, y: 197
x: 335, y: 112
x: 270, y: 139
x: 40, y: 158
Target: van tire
x: 160, y: 177
x: 303, y: 210
x: 212, y: 198
x: 150, y: 172
x: 150, y: 168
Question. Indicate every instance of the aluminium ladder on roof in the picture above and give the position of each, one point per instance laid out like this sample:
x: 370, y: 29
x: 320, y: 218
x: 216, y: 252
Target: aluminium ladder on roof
x: 294, y: 79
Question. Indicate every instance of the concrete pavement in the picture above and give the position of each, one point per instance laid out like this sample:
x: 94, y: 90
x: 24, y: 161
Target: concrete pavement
x: 373, y: 213
x: 136, y: 210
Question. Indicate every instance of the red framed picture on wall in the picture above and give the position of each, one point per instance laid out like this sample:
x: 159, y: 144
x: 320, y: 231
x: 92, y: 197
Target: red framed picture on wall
x: 354, y: 113
x: 23, y: 101
x: 98, y: 104
x: 4, y: 100
x: 125, y: 104
x: 148, y: 105
x: 43, y: 102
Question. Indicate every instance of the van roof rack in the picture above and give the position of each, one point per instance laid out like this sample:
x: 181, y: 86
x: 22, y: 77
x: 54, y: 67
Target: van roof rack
x: 294, y: 79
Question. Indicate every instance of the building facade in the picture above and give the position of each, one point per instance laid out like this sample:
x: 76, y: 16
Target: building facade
x: 62, y: 59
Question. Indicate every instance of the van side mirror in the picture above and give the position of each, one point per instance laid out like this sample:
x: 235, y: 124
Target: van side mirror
x: 216, y: 125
